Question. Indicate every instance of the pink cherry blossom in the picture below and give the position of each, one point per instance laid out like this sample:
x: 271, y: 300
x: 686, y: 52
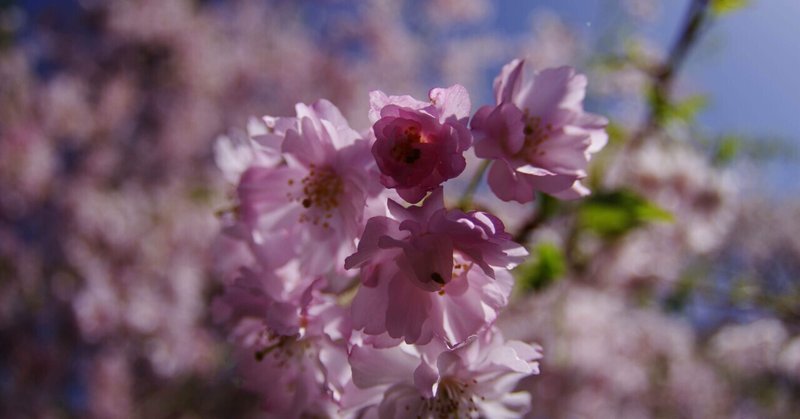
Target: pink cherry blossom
x: 538, y: 135
x: 430, y: 381
x: 293, y: 355
x: 275, y: 299
x: 428, y: 271
x: 318, y: 197
x: 418, y: 145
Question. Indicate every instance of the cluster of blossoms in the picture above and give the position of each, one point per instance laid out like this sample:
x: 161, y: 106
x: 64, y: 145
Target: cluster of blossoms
x: 105, y: 222
x: 345, y: 301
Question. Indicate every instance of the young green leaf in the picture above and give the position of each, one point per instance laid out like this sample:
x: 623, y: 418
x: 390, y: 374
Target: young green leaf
x: 721, y: 7
x: 614, y: 213
x: 546, y: 267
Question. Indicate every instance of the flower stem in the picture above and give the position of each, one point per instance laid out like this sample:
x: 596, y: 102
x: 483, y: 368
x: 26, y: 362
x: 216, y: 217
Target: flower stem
x: 465, y: 202
x: 546, y: 207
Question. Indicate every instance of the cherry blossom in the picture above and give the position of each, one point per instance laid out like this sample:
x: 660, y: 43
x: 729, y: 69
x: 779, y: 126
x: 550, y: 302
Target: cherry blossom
x: 429, y: 381
x: 427, y: 271
x: 538, y: 135
x: 418, y: 145
x: 319, y: 196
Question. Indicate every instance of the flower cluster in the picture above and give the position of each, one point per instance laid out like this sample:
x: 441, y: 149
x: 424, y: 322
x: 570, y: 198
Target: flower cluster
x: 345, y: 301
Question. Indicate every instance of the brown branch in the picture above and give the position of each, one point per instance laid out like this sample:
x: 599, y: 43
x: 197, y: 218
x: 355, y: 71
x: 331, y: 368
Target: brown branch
x: 536, y: 219
x: 664, y: 75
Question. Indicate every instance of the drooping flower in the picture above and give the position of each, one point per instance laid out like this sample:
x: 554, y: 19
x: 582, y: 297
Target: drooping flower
x: 428, y: 271
x: 538, y: 135
x: 430, y: 381
x: 418, y: 145
x: 294, y: 356
x: 318, y: 198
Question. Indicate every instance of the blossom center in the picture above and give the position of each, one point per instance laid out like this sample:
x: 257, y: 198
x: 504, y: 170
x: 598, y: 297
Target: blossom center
x: 453, y: 399
x: 281, y: 349
x: 404, y: 149
x: 321, y: 190
x: 536, y: 132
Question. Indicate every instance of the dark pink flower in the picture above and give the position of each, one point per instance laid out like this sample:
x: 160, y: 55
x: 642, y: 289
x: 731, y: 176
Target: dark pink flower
x: 432, y: 272
x: 418, y: 145
x: 538, y: 134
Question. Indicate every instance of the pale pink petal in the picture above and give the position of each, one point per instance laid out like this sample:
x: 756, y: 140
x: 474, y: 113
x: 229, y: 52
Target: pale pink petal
x: 372, y: 367
x: 563, y: 153
x: 378, y: 100
x: 262, y: 190
x: 508, y: 81
x: 368, y: 244
x: 506, y: 185
x: 307, y: 147
x: 502, y: 130
x: 369, y: 307
x: 576, y: 191
x: 408, y: 312
x: 556, y: 88
x: 425, y: 377
x: 549, y: 184
x: 451, y: 101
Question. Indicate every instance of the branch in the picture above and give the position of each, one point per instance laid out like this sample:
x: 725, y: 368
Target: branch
x: 664, y: 75
x: 466, y: 198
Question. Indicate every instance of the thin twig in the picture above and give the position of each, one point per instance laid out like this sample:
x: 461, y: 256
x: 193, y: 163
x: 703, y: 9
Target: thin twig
x: 664, y: 75
x: 546, y: 207
x: 466, y: 198
x: 536, y: 219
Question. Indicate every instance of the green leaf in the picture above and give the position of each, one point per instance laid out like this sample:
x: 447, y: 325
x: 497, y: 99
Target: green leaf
x: 757, y: 148
x: 548, y: 205
x: 728, y: 148
x: 721, y: 7
x: 688, y: 108
x: 616, y: 133
x: 614, y: 213
x: 659, y: 104
x: 667, y: 110
x: 545, y: 268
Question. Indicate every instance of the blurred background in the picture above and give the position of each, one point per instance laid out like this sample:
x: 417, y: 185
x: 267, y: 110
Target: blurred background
x: 672, y: 292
